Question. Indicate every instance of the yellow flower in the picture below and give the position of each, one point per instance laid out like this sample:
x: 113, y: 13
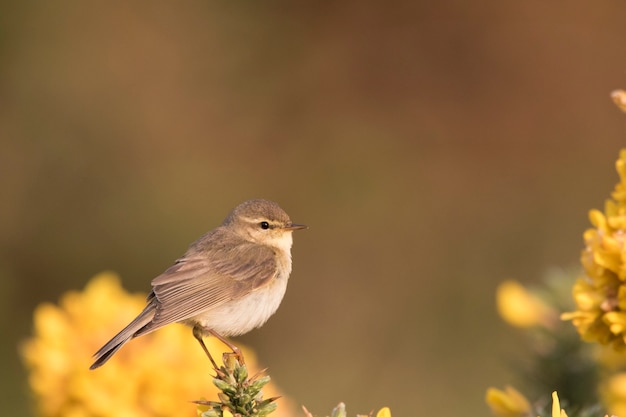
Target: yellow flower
x: 510, y: 403
x: 600, y: 295
x: 557, y: 411
x: 507, y: 403
x: 613, y: 393
x: 519, y: 307
x: 154, y: 375
x: 384, y: 412
x: 619, y: 98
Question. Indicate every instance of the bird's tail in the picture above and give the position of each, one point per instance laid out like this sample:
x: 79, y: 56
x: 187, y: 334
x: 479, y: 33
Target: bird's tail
x: 127, y: 333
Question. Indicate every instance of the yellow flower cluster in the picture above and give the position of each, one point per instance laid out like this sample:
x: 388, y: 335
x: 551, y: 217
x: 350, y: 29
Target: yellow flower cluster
x: 601, y: 295
x: 154, y: 375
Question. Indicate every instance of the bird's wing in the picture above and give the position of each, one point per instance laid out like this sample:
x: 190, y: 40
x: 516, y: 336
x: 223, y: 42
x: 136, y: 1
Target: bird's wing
x: 206, y: 279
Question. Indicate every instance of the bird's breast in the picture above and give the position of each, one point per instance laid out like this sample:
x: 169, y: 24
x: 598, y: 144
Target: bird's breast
x: 236, y: 317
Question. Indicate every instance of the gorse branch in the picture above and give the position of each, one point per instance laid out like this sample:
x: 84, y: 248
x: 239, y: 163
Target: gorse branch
x: 239, y: 394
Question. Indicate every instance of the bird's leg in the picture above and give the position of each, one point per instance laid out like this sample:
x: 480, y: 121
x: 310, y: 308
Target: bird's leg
x: 234, y: 348
x: 198, y: 333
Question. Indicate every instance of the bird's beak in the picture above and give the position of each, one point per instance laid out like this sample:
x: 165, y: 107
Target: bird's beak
x: 293, y: 226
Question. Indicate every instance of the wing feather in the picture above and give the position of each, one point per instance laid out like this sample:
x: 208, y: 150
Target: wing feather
x: 206, y: 277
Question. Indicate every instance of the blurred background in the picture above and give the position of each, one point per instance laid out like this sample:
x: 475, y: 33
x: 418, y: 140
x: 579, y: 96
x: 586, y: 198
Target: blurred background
x: 434, y: 149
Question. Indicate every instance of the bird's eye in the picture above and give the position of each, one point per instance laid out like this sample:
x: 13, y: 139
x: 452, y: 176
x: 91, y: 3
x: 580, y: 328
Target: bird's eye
x: 264, y: 225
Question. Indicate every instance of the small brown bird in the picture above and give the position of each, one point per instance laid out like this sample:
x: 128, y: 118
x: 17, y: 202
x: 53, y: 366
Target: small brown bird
x: 229, y: 281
